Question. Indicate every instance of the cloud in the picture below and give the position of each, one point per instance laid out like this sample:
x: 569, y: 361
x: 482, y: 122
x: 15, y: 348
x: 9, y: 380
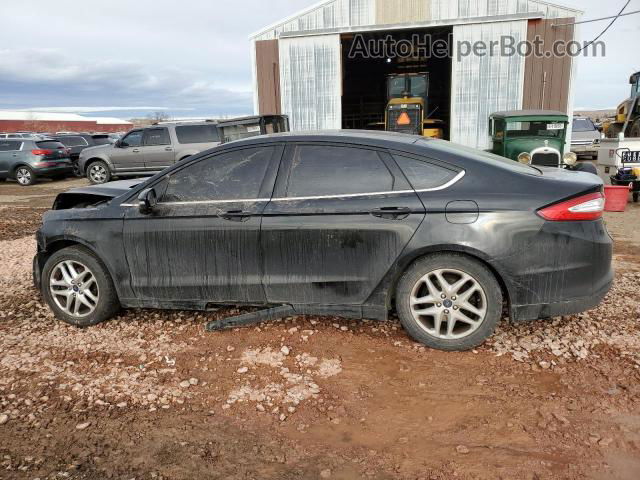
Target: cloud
x: 51, y: 75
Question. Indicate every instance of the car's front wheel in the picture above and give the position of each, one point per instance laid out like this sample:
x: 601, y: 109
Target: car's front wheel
x: 98, y: 172
x: 449, y: 302
x: 25, y: 176
x: 78, y: 288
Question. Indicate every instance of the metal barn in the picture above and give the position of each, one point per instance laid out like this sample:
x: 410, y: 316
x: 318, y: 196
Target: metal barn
x: 302, y: 65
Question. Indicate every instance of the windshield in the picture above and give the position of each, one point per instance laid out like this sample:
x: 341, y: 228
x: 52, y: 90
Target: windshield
x: 418, y: 87
x: 535, y: 129
x: 583, y: 125
x: 397, y: 87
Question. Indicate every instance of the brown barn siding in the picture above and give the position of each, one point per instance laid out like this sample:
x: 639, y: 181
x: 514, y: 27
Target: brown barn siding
x: 268, y: 77
x: 550, y: 92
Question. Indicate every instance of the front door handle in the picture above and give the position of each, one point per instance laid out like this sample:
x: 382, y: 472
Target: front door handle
x: 135, y: 150
x: 236, y: 216
x: 391, y: 213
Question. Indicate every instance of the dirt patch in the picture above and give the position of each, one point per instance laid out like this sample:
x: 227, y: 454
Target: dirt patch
x: 151, y: 395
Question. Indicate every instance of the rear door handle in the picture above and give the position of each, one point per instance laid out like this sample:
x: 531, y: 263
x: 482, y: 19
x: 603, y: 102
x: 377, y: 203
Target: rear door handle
x: 135, y: 150
x: 236, y: 216
x: 391, y: 213
x: 169, y: 149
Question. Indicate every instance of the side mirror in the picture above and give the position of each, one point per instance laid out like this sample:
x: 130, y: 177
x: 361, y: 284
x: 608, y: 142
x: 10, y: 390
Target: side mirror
x: 147, y: 200
x: 118, y: 144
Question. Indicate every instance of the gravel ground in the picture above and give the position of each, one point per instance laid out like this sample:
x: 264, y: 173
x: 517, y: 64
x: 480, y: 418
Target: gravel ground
x: 151, y: 395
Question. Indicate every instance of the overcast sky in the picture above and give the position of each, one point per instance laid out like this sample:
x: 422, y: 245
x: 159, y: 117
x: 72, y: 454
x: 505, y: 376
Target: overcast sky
x: 191, y: 58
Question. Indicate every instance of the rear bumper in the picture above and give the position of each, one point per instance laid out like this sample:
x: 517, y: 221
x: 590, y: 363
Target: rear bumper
x: 589, y: 149
x: 525, y: 313
x: 53, y: 171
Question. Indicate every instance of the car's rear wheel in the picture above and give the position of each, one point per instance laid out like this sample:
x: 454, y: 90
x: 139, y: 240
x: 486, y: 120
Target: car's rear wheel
x: 78, y: 288
x: 98, y: 172
x: 449, y: 302
x: 24, y: 176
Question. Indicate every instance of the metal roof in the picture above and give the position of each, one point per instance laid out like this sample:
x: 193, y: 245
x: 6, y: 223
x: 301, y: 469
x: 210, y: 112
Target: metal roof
x: 339, y: 15
x: 41, y: 116
x: 29, y: 116
x: 529, y: 113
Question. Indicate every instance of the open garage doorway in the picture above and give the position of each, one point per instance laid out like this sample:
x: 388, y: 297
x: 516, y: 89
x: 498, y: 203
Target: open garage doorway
x: 367, y: 63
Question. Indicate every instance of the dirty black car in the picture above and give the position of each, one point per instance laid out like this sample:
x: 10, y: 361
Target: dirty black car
x: 353, y: 224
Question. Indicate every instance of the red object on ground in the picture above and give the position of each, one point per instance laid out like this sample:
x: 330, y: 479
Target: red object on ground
x: 617, y: 198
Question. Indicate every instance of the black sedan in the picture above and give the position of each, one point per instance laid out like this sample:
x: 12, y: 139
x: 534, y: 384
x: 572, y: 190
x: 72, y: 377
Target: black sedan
x: 352, y: 224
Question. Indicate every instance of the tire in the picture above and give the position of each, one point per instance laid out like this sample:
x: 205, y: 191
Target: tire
x: 24, y: 176
x: 98, y: 172
x: 485, y: 298
x: 76, y: 171
x: 102, y: 303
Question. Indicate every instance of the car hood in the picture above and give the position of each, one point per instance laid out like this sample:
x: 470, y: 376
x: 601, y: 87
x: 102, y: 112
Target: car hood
x: 111, y: 189
x: 96, y: 150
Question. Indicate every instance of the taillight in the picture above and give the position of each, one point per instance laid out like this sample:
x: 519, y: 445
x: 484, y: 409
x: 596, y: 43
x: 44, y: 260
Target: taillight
x: 42, y: 152
x: 586, y: 207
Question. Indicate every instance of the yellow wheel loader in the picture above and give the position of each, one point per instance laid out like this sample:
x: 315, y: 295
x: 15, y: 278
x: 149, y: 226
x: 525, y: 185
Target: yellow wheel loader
x: 407, y: 111
x: 628, y: 114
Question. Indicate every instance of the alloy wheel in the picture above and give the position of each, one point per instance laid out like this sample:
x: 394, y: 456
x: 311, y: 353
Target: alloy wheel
x: 98, y: 173
x: 74, y: 288
x: 23, y: 176
x: 448, y: 304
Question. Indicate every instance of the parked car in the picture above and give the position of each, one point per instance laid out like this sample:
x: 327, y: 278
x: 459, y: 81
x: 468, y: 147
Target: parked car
x: 78, y: 142
x: 585, y: 138
x: 147, y: 151
x: 340, y: 223
x: 27, y: 159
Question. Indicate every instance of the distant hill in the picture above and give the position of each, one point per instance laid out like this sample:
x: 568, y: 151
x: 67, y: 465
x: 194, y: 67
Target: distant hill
x: 596, y: 114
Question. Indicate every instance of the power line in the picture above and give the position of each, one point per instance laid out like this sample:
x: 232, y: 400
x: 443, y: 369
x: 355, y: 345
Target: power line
x: 606, y: 29
x: 596, y: 19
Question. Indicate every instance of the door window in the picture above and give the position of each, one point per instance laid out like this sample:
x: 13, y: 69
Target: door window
x: 10, y: 146
x: 423, y: 175
x: 328, y: 171
x: 134, y: 139
x: 236, y: 175
x: 156, y: 136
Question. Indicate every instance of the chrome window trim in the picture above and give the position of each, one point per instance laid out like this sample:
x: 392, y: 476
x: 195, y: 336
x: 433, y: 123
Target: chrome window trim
x: 450, y: 183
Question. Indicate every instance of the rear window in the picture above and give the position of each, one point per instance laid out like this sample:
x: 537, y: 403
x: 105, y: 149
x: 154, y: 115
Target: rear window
x: 197, y: 134
x: 50, y: 144
x: 423, y: 175
x: 73, y: 141
x: 102, y: 140
x: 478, y: 155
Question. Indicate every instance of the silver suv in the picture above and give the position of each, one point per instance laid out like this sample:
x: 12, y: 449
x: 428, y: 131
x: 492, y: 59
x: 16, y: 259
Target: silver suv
x: 147, y: 151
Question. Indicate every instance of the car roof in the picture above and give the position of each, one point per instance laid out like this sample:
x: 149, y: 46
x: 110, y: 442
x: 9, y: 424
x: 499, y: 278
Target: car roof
x: 529, y: 113
x: 358, y: 137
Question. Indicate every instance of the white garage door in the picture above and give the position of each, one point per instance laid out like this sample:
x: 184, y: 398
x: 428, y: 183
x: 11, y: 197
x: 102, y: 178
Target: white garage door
x: 484, y: 85
x: 310, y: 82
